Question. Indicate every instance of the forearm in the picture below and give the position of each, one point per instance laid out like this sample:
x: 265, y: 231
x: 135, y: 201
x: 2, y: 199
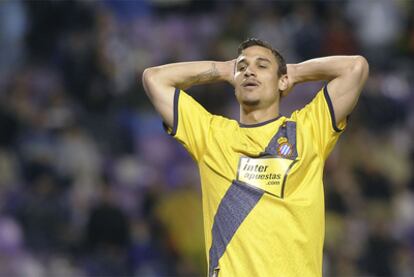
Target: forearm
x: 346, y: 75
x: 160, y: 82
x: 187, y: 74
x: 326, y: 68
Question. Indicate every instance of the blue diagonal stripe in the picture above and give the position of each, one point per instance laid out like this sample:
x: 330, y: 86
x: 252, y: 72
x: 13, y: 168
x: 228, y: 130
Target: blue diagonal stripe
x: 236, y: 204
x: 287, y: 130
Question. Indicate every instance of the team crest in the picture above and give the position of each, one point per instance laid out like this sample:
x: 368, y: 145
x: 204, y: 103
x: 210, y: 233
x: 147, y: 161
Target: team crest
x: 282, y: 140
x: 285, y: 149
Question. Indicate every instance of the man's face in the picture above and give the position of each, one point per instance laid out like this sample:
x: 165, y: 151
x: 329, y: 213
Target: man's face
x: 255, y: 78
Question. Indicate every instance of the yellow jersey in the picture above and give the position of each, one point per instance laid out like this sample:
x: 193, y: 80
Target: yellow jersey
x: 262, y: 190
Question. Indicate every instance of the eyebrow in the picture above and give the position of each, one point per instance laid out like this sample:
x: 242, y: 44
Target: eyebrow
x: 242, y: 61
x: 264, y: 60
x: 260, y: 59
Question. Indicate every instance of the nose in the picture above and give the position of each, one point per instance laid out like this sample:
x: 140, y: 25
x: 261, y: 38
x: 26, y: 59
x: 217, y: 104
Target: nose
x: 249, y: 72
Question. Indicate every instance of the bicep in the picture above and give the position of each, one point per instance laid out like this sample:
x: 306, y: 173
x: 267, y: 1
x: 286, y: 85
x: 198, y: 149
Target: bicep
x: 345, y: 89
x: 160, y: 95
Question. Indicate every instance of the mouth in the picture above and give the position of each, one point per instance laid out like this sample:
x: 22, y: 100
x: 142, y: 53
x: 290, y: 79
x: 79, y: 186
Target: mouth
x: 250, y: 84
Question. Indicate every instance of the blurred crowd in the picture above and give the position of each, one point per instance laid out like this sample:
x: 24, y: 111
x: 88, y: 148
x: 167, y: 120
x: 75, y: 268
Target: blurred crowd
x: 90, y: 184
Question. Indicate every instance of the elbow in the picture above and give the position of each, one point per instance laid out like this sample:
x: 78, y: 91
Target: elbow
x: 148, y: 75
x: 148, y: 79
x: 361, y: 66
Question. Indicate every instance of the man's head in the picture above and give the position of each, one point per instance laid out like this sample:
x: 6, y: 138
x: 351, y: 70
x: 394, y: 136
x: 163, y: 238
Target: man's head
x: 257, y: 42
x: 260, y: 74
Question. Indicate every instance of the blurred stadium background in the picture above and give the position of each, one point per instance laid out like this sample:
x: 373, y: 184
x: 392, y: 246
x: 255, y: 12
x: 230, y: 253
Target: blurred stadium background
x: 90, y: 185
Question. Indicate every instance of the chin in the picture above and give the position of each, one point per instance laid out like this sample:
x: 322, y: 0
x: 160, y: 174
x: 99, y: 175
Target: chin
x: 249, y: 98
x: 250, y: 102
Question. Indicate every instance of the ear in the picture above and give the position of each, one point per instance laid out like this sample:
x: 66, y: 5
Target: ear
x: 283, y: 82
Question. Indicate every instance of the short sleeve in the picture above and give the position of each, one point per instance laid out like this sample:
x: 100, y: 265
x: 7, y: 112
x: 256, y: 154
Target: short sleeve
x: 318, y: 119
x: 191, y: 124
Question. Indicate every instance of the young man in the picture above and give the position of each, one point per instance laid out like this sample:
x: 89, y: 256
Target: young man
x: 261, y: 177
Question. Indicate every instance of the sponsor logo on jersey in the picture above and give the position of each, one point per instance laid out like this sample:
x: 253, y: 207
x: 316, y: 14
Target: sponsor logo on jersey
x: 266, y: 173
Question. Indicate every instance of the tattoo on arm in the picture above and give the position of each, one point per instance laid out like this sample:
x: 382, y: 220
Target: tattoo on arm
x: 205, y: 77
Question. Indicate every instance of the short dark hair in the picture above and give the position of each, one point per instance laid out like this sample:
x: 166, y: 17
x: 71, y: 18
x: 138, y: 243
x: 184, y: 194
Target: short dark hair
x: 279, y: 58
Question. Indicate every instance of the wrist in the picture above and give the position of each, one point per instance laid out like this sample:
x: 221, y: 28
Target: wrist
x: 226, y: 70
x: 292, y: 74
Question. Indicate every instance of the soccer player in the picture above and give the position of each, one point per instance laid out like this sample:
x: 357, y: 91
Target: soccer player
x: 261, y: 177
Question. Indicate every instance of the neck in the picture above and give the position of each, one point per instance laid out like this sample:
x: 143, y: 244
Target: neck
x: 250, y: 115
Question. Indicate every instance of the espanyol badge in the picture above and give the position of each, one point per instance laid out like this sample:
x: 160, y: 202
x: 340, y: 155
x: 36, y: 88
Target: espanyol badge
x: 285, y: 149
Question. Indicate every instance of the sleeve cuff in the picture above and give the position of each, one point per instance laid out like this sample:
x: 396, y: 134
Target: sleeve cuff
x: 342, y: 124
x: 173, y: 130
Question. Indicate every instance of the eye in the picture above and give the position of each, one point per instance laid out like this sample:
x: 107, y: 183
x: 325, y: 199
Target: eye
x: 262, y: 66
x: 242, y: 67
